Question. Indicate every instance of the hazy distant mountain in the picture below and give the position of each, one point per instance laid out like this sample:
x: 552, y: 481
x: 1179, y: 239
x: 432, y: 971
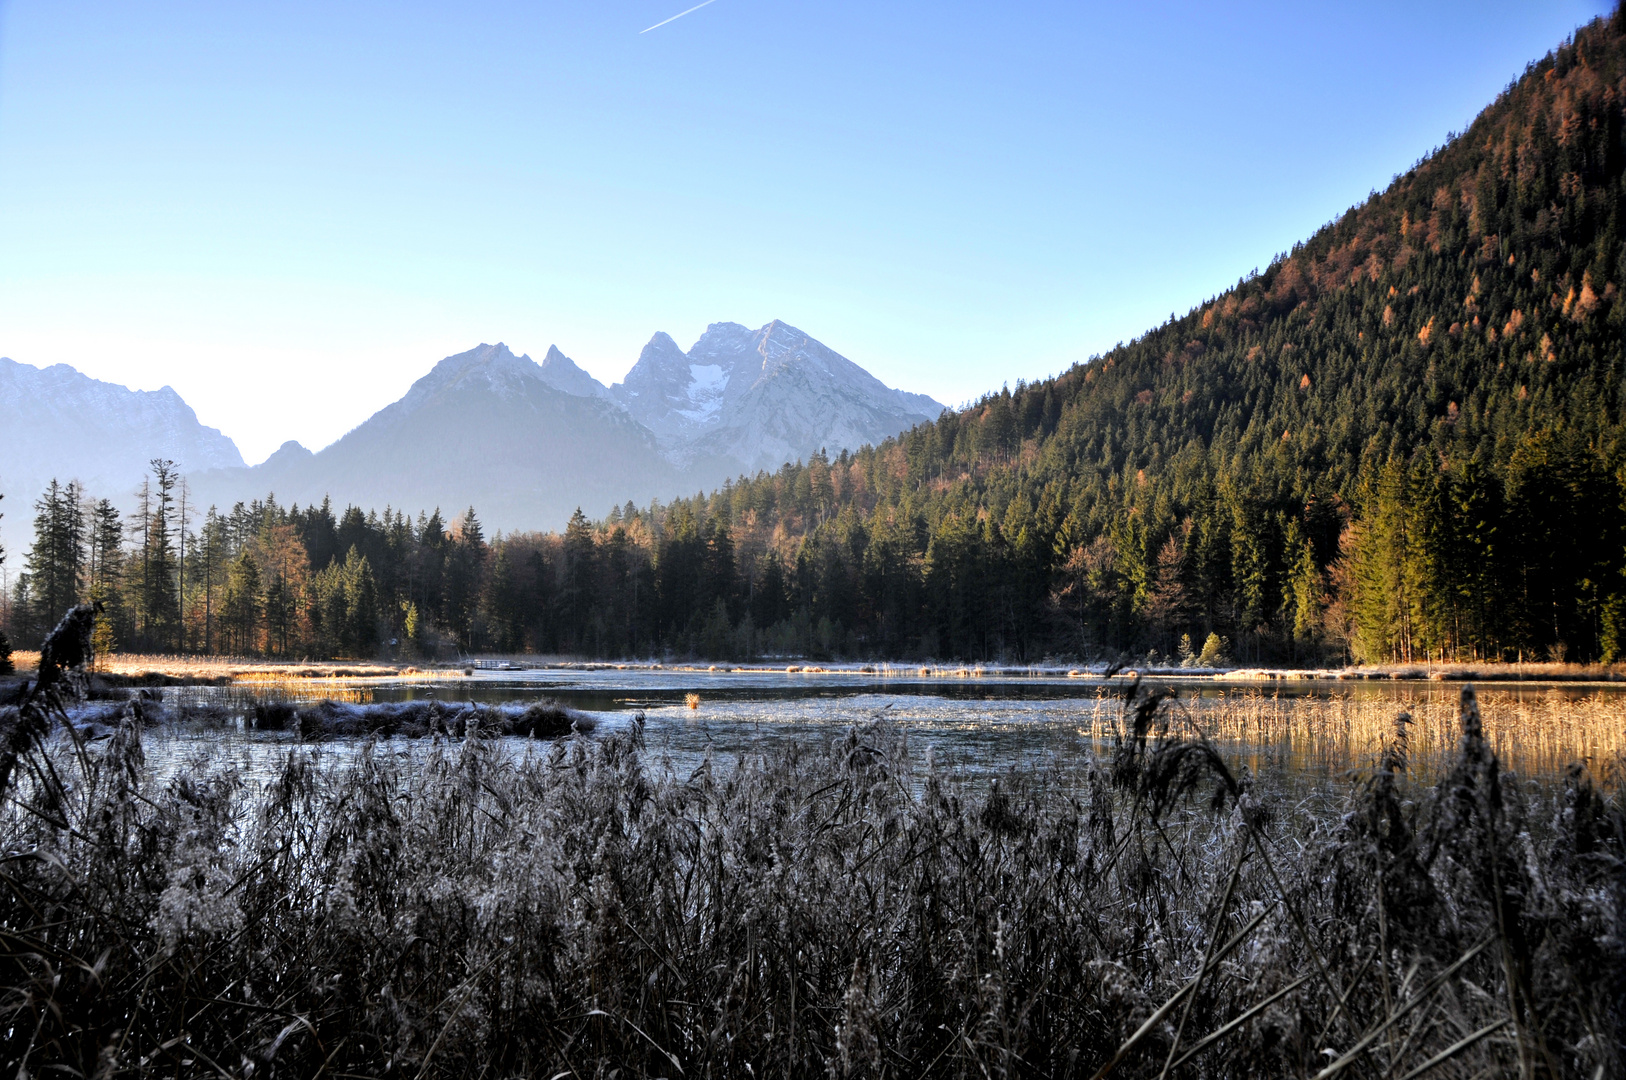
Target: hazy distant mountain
x: 56, y: 422
x: 486, y: 428
x: 527, y: 443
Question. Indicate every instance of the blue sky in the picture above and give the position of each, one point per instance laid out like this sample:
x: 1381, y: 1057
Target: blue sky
x: 290, y: 211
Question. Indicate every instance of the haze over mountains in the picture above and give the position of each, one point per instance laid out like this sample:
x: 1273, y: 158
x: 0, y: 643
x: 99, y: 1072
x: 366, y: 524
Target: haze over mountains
x: 526, y: 443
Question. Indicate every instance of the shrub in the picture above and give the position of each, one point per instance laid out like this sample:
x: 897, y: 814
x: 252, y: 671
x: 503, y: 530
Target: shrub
x: 1213, y: 654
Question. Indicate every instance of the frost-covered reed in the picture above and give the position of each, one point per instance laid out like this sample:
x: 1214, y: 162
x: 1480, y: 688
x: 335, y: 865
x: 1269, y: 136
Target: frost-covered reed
x: 842, y: 909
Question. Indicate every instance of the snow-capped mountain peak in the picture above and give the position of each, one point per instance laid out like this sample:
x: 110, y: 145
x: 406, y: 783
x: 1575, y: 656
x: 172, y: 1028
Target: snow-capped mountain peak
x: 656, y: 390
x: 748, y: 399
x: 723, y: 343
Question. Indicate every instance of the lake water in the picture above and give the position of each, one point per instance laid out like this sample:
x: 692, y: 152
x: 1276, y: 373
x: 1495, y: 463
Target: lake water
x: 1302, y: 730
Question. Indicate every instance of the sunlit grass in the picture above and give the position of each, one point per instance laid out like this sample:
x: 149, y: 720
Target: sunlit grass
x: 249, y: 670
x: 1534, y: 733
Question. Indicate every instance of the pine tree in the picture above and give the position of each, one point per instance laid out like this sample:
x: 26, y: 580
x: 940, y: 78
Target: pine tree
x: 209, y: 558
x: 1167, y: 607
x: 579, y: 579
x: 1383, y: 603
x: 360, y: 633
x: 464, y: 571
x: 1306, y: 594
x: 412, y: 630
x: 429, y: 567
x: 503, y: 602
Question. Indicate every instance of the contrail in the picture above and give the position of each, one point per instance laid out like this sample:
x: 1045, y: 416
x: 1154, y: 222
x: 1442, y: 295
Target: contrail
x: 678, y: 16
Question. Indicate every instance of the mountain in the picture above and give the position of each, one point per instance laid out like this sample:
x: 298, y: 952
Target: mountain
x: 747, y: 400
x: 526, y: 443
x: 56, y: 422
x: 286, y: 456
x: 665, y: 392
x: 484, y: 427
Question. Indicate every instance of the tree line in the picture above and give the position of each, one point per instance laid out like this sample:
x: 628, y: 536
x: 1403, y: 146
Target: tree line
x: 260, y: 579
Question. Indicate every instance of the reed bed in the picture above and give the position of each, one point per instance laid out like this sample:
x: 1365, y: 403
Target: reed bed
x: 1474, y: 671
x: 844, y: 909
x: 306, y: 674
x: 1538, y: 734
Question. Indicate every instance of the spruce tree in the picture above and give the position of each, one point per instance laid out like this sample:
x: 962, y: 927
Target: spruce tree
x: 157, y: 597
x: 359, y: 636
x: 106, y: 574
x: 241, y: 607
x: 56, y: 562
x: 578, y: 593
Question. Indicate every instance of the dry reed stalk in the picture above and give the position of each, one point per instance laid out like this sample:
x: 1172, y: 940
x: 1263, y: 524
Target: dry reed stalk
x: 1534, y: 735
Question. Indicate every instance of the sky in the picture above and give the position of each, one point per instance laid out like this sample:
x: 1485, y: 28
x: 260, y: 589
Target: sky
x: 289, y: 212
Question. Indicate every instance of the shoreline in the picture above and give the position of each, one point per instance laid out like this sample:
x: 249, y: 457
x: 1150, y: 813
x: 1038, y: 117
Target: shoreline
x: 156, y: 670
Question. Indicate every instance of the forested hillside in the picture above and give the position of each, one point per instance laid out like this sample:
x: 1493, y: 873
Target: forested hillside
x: 1402, y: 440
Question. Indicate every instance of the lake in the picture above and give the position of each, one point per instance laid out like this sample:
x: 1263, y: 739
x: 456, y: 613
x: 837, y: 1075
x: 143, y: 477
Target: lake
x: 1305, y: 730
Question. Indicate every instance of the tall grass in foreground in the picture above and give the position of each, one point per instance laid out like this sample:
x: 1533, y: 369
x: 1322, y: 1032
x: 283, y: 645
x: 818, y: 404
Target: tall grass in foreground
x: 847, y: 909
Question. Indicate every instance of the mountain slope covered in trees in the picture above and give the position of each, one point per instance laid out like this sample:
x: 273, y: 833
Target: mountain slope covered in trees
x: 1400, y: 441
